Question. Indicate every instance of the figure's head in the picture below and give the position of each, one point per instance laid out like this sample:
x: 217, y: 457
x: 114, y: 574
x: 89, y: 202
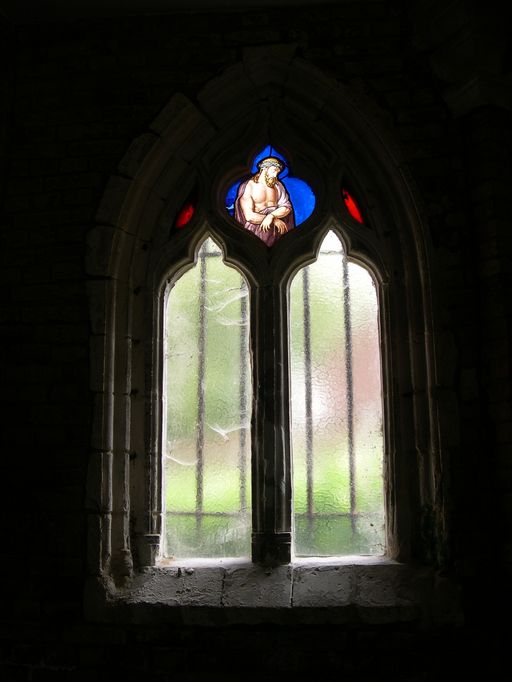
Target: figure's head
x: 270, y: 167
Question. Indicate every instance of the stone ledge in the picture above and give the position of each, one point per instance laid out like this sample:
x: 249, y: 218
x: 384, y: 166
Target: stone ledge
x: 349, y: 590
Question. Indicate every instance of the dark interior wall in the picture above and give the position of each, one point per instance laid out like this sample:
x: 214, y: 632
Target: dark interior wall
x: 74, y: 95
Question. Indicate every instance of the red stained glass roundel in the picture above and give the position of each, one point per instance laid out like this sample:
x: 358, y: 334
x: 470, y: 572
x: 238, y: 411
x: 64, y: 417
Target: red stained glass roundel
x: 185, y: 215
x: 352, y: 206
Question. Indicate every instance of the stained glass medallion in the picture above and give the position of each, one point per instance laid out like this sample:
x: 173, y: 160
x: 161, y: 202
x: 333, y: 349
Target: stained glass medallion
x: 270, y: 202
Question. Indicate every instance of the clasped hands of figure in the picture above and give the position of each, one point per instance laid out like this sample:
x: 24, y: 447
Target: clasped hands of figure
x: 270, y: 220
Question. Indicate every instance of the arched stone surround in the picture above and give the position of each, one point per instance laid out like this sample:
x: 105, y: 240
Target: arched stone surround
x: 320, y: 125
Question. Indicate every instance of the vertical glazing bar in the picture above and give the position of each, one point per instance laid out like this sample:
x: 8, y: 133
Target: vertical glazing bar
x: 200, y: 389
x: 308, y: 395
x: 242, y: 454
x: 349, y: 391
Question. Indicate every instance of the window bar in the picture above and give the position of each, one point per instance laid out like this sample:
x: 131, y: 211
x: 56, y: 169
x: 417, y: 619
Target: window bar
x: 242, y: 453
x: 200, y: 389
x: 349, y: 391
x: 308, y: 396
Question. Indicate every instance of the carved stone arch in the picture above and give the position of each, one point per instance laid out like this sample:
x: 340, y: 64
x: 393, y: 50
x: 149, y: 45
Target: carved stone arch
x: 192, y: 142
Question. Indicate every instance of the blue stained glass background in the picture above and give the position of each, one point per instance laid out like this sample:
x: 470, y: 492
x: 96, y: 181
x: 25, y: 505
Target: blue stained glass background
x: 301, y: 195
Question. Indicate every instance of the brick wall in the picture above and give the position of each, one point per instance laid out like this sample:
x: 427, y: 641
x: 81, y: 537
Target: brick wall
x: 73, y: 96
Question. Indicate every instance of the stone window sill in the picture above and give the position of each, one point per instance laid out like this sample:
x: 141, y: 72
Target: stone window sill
x: 312, y: 590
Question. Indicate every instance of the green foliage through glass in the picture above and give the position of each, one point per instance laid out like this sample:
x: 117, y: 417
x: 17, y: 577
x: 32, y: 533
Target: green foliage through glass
x: 208, y: 391
x: 337, y: 440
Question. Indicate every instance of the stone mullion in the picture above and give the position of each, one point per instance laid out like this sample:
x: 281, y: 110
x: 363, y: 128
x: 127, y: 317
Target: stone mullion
x: 271, y: 539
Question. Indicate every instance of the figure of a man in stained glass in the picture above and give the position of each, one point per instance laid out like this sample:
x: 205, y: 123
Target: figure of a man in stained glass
x: 262, y: 204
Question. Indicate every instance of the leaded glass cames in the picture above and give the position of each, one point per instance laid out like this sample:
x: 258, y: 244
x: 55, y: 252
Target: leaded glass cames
x: 334, y: 422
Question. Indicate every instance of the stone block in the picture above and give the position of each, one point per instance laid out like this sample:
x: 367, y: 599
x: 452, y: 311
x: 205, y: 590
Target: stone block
x: 178, y: 107
x: 102, y: 435
x: 254, y: 586
x: 99, y: 249
x: 386, y: 585
x: 180, y: 586
x: 227, y: 98
x: 113, y: 200
x: 321, y: 586
x: 170, y: 176
x: 98, y: 292
x: 201, y: 586
x: 97, y: 348
x: 137, y: 153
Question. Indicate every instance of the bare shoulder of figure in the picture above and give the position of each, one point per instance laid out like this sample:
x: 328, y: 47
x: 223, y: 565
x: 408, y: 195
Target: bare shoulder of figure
x: 249, y: 187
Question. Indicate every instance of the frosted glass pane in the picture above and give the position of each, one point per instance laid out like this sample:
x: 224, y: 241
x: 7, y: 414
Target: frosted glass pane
x: 208, y: 396
x: 336, y: 408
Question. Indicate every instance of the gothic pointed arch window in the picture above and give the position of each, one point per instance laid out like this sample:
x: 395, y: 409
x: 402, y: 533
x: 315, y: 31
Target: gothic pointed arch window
x: 305, y: 445
x: 263, y: 355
